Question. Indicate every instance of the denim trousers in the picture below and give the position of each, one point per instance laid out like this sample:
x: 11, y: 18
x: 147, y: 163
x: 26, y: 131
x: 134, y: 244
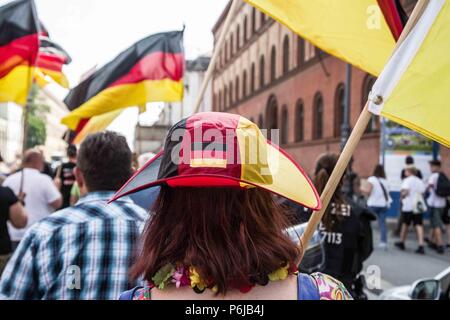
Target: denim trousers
x: 381, y: 214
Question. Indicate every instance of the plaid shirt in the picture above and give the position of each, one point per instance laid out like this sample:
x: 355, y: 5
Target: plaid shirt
x: 81, y: 252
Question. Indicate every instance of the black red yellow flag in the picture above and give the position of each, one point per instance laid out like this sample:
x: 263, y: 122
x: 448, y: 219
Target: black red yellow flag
x: 149, y: 71
x: 19, y: 45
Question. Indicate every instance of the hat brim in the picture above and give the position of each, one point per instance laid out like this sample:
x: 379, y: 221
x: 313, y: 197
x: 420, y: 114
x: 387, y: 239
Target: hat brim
x: 288, y: 179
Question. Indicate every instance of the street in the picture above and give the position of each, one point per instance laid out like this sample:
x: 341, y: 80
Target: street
x: 398, y: 268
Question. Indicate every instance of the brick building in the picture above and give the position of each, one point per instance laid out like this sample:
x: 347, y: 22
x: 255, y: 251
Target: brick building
x: 280, y: 81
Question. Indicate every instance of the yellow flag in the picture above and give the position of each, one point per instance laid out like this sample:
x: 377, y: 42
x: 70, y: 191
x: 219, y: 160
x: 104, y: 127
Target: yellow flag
x: 352, y: 30
x: 414, y: 88
x: 96, y: 124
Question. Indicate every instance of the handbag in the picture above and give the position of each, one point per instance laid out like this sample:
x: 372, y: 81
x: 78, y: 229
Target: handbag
x: 419, y: 205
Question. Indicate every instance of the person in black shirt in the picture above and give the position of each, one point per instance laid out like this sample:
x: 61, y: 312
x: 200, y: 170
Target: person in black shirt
x: 11, y: 209
x: 409, y: 162
x: 346, y: 231
x: 65, y: 177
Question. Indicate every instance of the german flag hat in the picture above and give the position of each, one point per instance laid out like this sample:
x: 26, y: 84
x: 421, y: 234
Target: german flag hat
x: 214, y: 149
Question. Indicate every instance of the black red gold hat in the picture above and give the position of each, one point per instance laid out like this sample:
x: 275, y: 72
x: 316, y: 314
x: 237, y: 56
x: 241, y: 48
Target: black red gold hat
x: 214, y: 149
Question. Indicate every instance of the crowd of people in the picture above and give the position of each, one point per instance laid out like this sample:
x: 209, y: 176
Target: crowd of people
x: 61, y: 236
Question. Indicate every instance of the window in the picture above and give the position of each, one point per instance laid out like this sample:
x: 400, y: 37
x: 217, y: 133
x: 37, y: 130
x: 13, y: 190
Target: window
x: 309, y: 51
x: 273, y: 64
x: 299, y: 121
x: 238, y: 38
x: 367, y: 87
x: 263, y: 19
x: 261, y: 72
x: 226, y: 51
x: 261, y: 121
x: 244, y: 84
x: 245, y: 30
x: 230, y: 93
x: 236, y: 94
x: 318, y: 117
x: 286, y: 54
x: 225, y: 98
x: 272, y: 117
x: 284, y: 125
x: 252, y: 78
x: 253, y: 20
x: 231, y: 45
x: 339, y: 106
x: 300, y: 53
x: 219, y: 104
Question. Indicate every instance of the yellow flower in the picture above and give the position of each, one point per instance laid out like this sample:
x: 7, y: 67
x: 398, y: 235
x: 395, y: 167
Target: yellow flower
x: 279, y: 274
x: 196, y: 280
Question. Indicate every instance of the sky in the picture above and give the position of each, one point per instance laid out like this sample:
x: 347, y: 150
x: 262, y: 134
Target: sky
x: 93, y: 32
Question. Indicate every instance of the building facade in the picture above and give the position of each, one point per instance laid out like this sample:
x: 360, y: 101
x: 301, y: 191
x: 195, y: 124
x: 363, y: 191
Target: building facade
x: 275, y: 78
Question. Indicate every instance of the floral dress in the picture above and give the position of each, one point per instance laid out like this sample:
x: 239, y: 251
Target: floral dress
x: 328, y: 289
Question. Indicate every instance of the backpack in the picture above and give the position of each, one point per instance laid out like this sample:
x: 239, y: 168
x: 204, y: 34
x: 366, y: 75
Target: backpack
x: 443, y: 186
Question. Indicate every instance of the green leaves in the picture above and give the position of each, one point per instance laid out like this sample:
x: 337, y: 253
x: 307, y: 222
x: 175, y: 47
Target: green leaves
x: 164, y: 274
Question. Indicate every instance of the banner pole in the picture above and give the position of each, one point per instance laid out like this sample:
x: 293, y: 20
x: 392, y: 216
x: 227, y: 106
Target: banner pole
x: 217, y: 48
x: 352, y: 143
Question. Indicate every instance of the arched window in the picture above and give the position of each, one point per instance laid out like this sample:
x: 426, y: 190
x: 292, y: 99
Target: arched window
x: 253, y: 20
x: 273, y: 64
x: 339, y: 105
x: 231, y: 45
x: 299, y: 121
x: 219, y: 105
x: 261, y: 121
x: 300, y: 53
x: 262, y: 19
x: 286, y: 54
x: 230, y: 93
x: 244, y: 84
x: 252, y: 78
x: 272, y: 117
x: 284, y: 125
x: 226, y: 51
x: 261, y: 72
x: 225, y: 98
x: 237, y: 96
x: 238, y: 38
x: 368, y: 82
x: 318, y: 117
x: 245, y: 29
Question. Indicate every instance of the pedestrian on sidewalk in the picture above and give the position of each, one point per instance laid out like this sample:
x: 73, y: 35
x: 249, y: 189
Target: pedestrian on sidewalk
x: 436, y: 205
x: 85, y: 251
x: 409, y: 163
x: 379, y: 200
x: 36, y: 189
x: 413, y: 208
x: 216, y: 230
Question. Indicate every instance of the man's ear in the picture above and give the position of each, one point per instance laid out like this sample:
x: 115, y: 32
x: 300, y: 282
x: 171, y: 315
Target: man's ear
x: 79, y: 178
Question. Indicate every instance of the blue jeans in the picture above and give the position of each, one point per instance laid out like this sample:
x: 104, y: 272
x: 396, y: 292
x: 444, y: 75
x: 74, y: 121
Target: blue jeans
x: 381, y: 214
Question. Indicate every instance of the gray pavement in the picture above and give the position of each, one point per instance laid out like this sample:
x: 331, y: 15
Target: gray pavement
x: 398, y: 267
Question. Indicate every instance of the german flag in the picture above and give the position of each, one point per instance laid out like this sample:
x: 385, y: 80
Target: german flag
x: 19, y: 46
x: 51, y: 59
x: 149, y: 71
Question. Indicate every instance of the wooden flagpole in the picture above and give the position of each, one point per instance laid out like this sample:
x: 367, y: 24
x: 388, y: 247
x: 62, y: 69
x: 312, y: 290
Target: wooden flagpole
x: 218, y: 47
x: 352, y: 142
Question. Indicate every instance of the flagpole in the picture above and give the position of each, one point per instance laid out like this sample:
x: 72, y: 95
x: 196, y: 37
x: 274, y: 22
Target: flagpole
x: 352, y: 143
x: 217, y: 48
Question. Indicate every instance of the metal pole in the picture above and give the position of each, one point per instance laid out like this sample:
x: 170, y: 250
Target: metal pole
x: 345, y: 127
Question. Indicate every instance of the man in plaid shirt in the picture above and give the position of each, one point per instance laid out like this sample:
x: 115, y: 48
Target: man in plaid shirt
x: 85, y: 251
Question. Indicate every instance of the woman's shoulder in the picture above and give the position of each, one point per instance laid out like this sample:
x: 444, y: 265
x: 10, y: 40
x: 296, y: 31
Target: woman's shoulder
x: 329, y: 288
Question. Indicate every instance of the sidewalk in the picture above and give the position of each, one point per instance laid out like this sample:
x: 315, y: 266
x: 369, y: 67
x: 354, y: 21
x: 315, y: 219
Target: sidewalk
x: 396, y: 267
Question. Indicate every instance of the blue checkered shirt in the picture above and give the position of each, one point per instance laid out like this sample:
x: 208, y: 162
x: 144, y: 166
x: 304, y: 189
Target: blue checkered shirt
x: 81, y: 252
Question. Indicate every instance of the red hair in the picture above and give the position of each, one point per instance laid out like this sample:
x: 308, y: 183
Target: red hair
x: 229, y: 235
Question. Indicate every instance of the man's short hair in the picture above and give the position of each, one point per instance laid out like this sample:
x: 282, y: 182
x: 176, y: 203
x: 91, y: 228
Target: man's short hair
x: 72, y: 151
x: 104, y: 159
x: 409, y: 160
x: 436, y: 163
